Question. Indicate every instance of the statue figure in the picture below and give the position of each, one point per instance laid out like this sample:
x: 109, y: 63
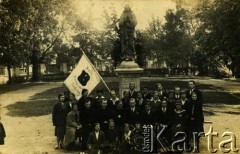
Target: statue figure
x: 127, y: 25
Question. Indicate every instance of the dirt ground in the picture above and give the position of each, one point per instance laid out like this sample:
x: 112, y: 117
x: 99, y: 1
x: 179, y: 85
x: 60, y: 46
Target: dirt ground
x: 32, y: 135
x: 35, y: 135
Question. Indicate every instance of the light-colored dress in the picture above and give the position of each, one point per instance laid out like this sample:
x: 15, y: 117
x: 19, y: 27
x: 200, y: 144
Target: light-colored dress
x: 71, y: 127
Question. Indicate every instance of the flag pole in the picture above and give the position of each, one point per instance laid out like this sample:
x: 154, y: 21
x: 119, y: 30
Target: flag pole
x: 97, y: 72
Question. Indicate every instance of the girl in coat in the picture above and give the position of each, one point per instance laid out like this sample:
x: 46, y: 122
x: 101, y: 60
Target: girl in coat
x: 59, y: 115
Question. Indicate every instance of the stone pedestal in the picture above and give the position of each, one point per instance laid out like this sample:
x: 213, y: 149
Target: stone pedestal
x: 128, y: 72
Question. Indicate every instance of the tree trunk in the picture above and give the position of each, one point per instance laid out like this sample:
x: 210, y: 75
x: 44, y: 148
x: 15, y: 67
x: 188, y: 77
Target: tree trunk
x: 35, y: 71
x: 35, y: 62
x: 9, y: 74
x: 27, y: 69
x: 233, y: 71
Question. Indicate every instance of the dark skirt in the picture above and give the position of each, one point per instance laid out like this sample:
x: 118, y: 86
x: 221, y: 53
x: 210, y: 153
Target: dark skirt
x: 60, y: 131
x: 1, y: 141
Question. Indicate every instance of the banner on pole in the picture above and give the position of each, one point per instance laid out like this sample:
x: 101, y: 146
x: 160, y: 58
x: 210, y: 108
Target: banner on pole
x: 84, y: 76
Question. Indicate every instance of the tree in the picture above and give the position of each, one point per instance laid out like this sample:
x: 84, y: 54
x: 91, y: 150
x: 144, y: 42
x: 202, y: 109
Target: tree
x: 111, y: 35
x: 176, y: 42
x: 140, y: 46
x: 219, y: 32
x: 89, y: 44
x: 153, y: 35
x: 42, y: 24
x: 9, y: 24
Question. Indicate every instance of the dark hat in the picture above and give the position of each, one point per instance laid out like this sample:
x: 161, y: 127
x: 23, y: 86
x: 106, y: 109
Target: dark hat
x: 137, y: 121
x: 145, y: 87
x: 95, y: 124
x: 171, y: 91
x: 74, y: 103
x: 84, y: 90
x: 148, y: 104
x: 178, y: 102
x: 61, y: 94
x: 183, y: 91
x: 103, y: 98
x: 70, y: 93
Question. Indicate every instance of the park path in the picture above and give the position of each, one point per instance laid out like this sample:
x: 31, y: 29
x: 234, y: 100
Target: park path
x: 27, y: 135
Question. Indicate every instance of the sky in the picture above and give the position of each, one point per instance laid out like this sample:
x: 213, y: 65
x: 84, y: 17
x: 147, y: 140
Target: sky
x: 144, y: 10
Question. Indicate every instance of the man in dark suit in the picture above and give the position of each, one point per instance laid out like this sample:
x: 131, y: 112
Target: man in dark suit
x: 140, y: 102
x: 163, y: 114
x: 177, y: 93
x: 161, y: 92
x: 192, y: 88
x: 132, y: 92
x: 184, y: 100
x: 155, y: 101
x: 133, y: 112
x: 125, y: 99
x: 97, y: 99
x: 103, y: 114
x: 87, y: 118
x: 96, y: 139
x: 164, y: 118
x: 112, y: 100
x: 147, y: 116
x: 112, y: 133
x: 146, y: 94
x: 82, y: 100
x: 119, y: 115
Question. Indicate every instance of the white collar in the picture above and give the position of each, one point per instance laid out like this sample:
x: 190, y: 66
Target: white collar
x: 114, y: 99
x: 179, y: 111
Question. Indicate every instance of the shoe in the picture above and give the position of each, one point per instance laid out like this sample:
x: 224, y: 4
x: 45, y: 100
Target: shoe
x: 57, y: 147
x: 196, y: 151
x: 61, y: 146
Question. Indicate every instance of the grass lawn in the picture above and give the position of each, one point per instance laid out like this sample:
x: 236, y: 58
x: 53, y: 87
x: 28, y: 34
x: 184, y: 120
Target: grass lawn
x: 17, y: 86
x: 37, y: 105
x: 42, y: 103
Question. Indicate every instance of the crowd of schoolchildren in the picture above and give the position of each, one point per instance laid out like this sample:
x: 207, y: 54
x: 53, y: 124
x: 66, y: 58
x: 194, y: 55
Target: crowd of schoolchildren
x: 113, y: 124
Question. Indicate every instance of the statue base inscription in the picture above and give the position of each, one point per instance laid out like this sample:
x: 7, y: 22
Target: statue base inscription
x: 128, y: 72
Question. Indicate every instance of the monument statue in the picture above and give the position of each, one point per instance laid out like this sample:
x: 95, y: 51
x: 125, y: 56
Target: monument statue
x: 127, y: 24
x: 128, y: 71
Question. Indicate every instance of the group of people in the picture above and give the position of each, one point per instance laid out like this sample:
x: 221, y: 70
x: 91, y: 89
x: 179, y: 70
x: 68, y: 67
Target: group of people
x: 114, y: 123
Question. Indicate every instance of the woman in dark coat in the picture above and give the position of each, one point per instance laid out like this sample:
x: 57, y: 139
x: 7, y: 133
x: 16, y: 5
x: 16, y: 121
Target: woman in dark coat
x: 2, y: 134
x: 196, y: 119
x: 59, y: 116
